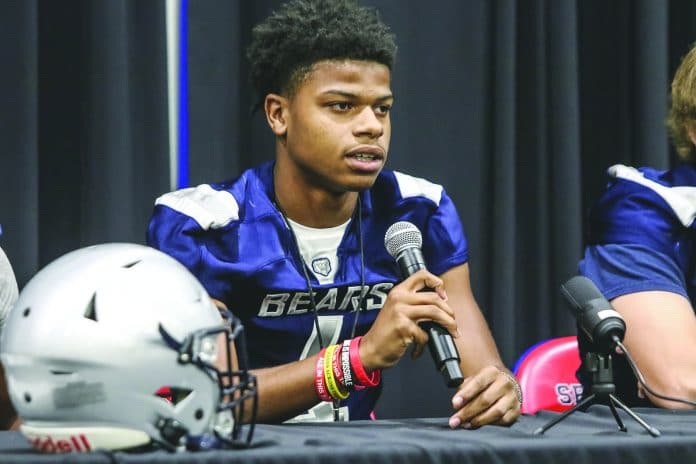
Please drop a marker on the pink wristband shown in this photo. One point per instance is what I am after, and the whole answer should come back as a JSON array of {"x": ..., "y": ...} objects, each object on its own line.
[{"x": 361, "y": 376}]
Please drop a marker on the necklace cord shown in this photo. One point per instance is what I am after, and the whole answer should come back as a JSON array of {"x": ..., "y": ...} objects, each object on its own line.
[
  {"x": 362, "y": 270},
  {"x": 308, "y": 281}
]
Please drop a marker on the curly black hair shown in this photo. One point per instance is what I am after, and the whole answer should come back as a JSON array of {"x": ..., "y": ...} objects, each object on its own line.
[{"x": 286, "y": 45}]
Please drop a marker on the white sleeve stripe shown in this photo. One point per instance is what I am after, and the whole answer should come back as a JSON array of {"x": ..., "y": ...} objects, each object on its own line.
[
  {"x": 210, "y": 208},
  {"x": 681, "y": 199},
  {"x": 410, "y": 186}
]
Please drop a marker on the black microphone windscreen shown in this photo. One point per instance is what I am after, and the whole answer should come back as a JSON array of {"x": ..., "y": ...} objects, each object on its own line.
[
  {"x": 579, "y": 290},
  {"x": 594, "y": 314}
]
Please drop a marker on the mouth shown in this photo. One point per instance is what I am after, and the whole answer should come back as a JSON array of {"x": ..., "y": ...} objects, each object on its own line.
[
  {"x": 360, "y": 156},
  {"x": 366, "y": 159}
]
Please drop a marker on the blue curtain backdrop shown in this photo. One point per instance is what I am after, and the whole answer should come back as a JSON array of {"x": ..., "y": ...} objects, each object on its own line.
[{"x": 516, "y": 106}]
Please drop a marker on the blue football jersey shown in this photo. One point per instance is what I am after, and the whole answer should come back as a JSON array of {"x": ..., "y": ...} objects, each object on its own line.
[
  {"x": 641, "y": 238},
  {"x": 234, "y": 239},
  {"x": 642, "y": 231}
]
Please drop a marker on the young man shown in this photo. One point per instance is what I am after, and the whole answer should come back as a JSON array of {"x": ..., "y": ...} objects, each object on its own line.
[
  {"x": 641, "y": 255},
  {"x": 297, "y": 244}
]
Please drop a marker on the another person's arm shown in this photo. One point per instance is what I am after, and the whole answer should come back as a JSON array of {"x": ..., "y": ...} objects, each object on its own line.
[
  {"x": 640, "y": 259},
  {"x": 661, "y": 337}
]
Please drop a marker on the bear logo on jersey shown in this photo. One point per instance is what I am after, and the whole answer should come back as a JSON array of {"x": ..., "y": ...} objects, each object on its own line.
[{"x": 321, "y": 266}]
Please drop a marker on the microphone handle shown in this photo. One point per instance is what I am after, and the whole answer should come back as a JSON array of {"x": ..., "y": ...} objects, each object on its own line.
[
  {"x": 444, "y": 353},
  {"x": 410, "y": 261}
]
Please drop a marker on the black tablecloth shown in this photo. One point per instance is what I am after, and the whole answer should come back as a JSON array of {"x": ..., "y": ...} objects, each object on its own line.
[{"x": 584, "y": 437}]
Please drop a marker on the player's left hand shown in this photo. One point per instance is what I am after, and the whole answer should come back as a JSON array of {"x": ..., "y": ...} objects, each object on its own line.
[{"x": 491, "y": 396}]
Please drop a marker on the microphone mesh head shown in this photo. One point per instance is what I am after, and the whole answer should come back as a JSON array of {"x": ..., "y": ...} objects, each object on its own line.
[{"x": 401, "y": 236}]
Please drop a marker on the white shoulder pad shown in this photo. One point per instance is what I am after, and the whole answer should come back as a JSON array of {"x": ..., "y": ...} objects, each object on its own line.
[
  {"x": 210, "y": 208},
  {"x": 417, "y": 187},
  {"x": 681, "y": 199}
]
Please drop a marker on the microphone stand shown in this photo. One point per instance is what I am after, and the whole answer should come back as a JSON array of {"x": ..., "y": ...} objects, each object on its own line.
[{"x": 603, "y": 389}]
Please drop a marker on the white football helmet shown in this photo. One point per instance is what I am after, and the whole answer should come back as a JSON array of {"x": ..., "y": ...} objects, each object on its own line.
[{"x": 114, "y": 347}]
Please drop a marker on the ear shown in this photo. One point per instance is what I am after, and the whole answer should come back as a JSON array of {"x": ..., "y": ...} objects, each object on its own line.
[
  {"x": 692, "y": 134},
  {"x": 276, "y": 108}
]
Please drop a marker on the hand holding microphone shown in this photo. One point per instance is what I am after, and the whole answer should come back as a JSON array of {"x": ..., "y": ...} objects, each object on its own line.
[
  {"x": 403, "y": 241},
  {"x": 490, "y": 395},
  {"x": 397, "y": 324}
]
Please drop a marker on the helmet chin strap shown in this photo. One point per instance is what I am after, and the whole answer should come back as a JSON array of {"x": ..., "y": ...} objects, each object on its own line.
[
  {"x": 176, "y": 435},
  {"x": 172, "y": 432}
]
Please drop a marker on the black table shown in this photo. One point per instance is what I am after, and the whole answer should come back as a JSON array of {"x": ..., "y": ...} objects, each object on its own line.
[{"x": 584, "y": 437}]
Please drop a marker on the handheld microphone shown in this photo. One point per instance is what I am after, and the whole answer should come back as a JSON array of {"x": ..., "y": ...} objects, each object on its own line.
[
  {"x": 403, "y": 241},
  {"x": 595, "y": 315}
]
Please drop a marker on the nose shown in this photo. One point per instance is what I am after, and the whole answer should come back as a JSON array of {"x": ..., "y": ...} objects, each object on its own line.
[{"x": 367, "y": 123}]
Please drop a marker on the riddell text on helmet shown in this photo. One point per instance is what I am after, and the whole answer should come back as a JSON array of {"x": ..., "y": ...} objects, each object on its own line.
[{"x": 71, "y": 444}]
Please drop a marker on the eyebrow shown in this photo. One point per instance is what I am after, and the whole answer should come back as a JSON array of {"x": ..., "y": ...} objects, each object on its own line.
[{"x": 354, "y": 96}]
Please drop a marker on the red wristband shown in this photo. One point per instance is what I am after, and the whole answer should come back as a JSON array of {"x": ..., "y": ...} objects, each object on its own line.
[
  {"x": 361, "y": 376},
  {"x": 319, "y": 382}
]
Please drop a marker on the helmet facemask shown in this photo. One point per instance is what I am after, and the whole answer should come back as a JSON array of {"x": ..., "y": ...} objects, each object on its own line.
[{"x": 238, "y": 391}]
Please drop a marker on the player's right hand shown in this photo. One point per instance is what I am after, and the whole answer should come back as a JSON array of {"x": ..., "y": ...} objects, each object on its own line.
[{"x": 396, "y": 326}]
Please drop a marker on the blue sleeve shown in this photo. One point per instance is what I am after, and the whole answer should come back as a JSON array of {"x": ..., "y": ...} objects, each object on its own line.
[
  {"x": 620, "y": 269},
  {"x": 175, "y": 234},
  {"x": 636, "y": 243},
  {"x": 181, "y": 237},
  {"x": 444, "y": 244},
  {"x": 629, "y": 213}
]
